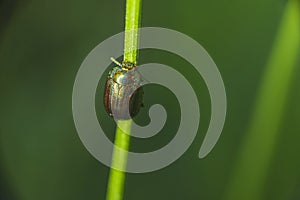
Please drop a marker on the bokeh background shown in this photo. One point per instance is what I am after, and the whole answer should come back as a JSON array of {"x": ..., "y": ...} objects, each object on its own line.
[{"x": 256, "y": 47}]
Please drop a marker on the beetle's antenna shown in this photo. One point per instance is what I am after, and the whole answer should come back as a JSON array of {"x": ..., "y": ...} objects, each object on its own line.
[{"x": 115, "y": 61}]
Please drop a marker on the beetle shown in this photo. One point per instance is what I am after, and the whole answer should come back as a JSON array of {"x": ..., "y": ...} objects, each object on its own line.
[{"x": 123, "y": 93}]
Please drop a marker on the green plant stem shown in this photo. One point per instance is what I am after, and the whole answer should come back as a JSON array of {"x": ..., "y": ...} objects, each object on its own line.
[
  {"x": 119, "y": 160},
  {"x": 251, "y": 171},
  {"x": 117, "y": 174},
  {"x": 132, "y": 21}
]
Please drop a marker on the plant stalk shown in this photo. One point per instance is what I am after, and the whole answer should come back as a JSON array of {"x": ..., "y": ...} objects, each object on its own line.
[
  {"x": 257, "y": 150},
  {"x": 117, "y": 174}
]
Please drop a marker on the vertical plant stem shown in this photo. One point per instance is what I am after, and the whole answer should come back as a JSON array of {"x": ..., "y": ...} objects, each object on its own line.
[
  {"x": 119, "y": 160},
  {"x": 132, "y": 21},
  {"x": 251, "y": 171},
  {"x": 116, "y": 181}
]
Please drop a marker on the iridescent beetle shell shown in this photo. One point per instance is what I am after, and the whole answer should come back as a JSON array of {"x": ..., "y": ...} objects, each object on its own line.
[{"x": 123, "y": 94}]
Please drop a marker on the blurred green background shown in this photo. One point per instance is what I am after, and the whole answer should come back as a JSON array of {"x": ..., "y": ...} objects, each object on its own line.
[{"x": 256, "y": 47}]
